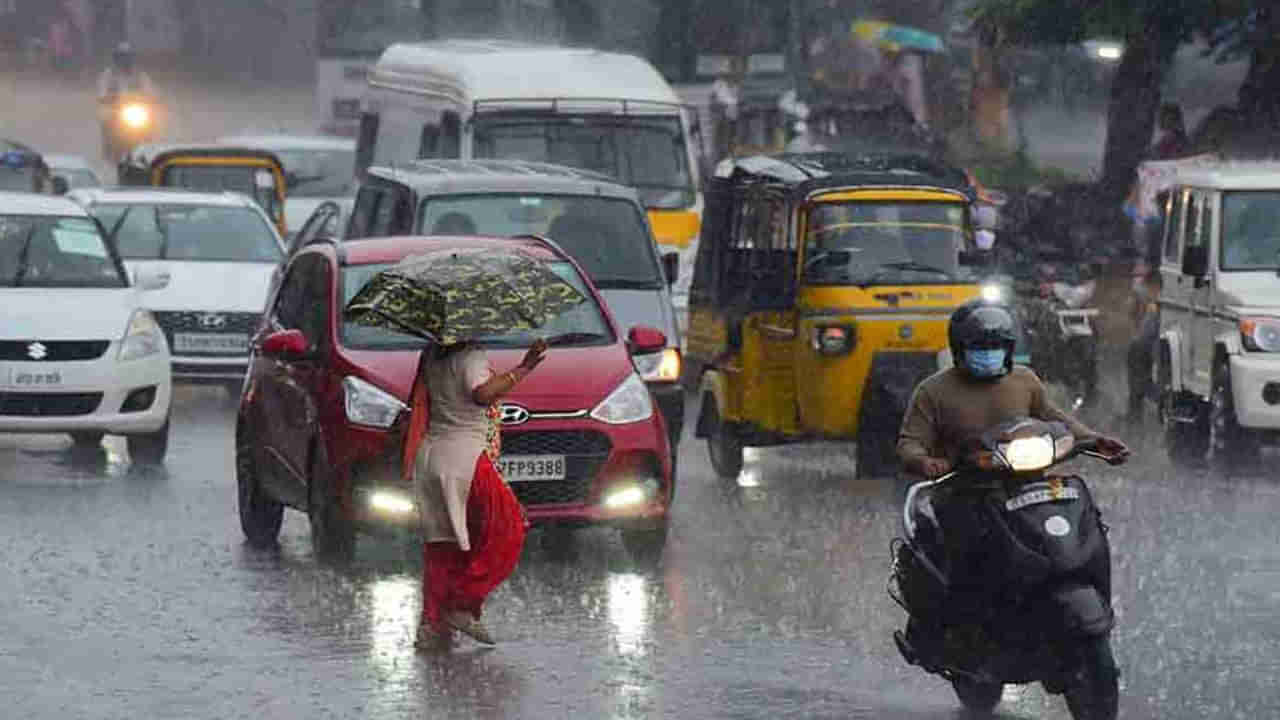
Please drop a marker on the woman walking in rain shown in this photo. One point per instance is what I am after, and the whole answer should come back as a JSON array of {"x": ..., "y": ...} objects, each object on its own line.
[{"x": 473, "y": 526}]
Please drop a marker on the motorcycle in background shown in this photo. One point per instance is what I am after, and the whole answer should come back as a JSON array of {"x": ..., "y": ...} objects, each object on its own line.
[
  {"x": 1055, "y": 305},
  {"x": 128, "y": 120},
  {"x": 1043, "y": 611}
]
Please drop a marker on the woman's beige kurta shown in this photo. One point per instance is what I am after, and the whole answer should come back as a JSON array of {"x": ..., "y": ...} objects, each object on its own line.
[{"x": 458, "y": 434}]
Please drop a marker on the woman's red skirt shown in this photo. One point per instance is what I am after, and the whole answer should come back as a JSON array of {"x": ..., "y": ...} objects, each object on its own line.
[{"x": 457, "y": 580}]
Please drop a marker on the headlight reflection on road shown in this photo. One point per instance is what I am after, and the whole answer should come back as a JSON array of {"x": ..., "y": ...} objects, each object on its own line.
[
  {"x": 393, "y": 617},
  {"x": 628, "y": 599}
]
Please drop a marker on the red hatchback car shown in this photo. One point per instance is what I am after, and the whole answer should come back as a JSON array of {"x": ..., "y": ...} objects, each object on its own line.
[{"x": 323, "y": 412}]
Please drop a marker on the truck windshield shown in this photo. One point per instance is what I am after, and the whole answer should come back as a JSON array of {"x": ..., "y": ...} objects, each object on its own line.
[
  {"x": 1251, "y": 230},
  {"x": 865, "y": 243},
  {"x": 648, "y": 153},
  {"x": 606, "y": 236}
]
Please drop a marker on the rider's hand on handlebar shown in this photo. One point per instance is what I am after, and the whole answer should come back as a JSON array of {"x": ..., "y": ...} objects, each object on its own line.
[
  {"x": 932, "y": 467},
  {"x": 1117, "y": 452}
]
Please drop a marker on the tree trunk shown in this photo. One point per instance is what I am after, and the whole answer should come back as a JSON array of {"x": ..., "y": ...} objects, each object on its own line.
[{"x": 1131, "y": 114}]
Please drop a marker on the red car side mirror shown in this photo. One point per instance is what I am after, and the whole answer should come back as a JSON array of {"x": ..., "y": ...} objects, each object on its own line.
[
  {"x": 285, "y": 343},
  {"x": 643, "y": 340}
]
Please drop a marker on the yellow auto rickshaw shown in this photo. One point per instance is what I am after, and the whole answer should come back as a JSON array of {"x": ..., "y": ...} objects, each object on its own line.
[
  {"x": 821, "y": 295},
  {"x": 211, "y": 168}
]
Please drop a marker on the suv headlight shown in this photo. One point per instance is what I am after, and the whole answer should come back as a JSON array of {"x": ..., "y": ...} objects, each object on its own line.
[
  {"x": 660, "y": 366},
  {"x": 370, "y": 405},
  {"x": 628, "y": 403},
  {"x": 1260, "y": 334},
  {"x": 142, "y": 337}
]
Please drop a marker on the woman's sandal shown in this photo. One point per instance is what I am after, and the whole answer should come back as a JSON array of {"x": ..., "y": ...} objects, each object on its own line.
[
  {"x": 432, "y": 640},
  {"x": 469, "y": 625}
]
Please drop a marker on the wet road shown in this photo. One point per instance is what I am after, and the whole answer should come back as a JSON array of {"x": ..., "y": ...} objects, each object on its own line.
[{"x": 130, "y": 594}]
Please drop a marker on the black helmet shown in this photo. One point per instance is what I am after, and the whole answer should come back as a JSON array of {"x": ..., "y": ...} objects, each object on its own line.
[
  {"x": 982, "y": 325},
  {"x": 123, "y": 56}
]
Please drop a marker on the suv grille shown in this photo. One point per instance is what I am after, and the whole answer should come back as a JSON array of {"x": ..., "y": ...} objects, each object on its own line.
[
  {"x": 52, "y": 350},
  {"x": 211, "y": 322},
  {"x": 585, "y": 453},
  {"x": 49, "y": 404}
]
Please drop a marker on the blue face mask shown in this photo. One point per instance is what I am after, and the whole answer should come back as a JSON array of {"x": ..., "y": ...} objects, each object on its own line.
[{"x": 985, "y": 363}]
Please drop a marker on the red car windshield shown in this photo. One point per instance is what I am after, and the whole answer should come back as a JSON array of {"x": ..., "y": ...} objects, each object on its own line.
[{"x": 582, "y": 325}]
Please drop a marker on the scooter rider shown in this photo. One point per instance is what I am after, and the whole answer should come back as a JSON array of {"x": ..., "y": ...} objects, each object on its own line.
[
  {"x": 983, "y": 389},
  {"x": 123, "y": 76}
]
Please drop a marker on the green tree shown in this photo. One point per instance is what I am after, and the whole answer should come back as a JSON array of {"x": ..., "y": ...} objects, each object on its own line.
[{"x": 1152, "y": 31}]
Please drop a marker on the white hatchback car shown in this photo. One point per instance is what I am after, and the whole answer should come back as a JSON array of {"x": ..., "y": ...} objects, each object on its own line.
[
  {"x": 221, "y": 250},
  {"x": 78, "y": 353}
]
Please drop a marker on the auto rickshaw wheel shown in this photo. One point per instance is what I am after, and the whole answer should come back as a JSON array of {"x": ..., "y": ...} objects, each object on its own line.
[{"x": 723, "y": 443}]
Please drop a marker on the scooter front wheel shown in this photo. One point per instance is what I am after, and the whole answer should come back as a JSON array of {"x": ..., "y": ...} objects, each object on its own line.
[
  {"x": 1095, "y": 694},
  {"x": 976, "y": 696}
]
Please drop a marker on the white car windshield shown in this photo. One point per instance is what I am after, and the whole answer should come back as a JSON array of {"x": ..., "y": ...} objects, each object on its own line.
[
  {"x": 189, "y": 232},
  {"x": 49, "y": 251},
  {"x": 318, "y": 173}
]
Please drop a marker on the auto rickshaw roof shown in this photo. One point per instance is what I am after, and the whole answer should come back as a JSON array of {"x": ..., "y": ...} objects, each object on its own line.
[
  {"x": 807, "y": 172},
  {"x": 151, "y": 155}
]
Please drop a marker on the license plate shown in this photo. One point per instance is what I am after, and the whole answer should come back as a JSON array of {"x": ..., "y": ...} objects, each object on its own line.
[
  {"x": 532, "y": 468},
  {"x": 1036, "y": 497},
  {"x": 28, "y": 379},
  {"x": 211, "y": 343}
]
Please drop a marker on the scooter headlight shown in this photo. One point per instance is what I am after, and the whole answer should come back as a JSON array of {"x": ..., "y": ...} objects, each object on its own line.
[
  {"x": 1028, "y": 454},
  {"x": 135, "y": 116}
]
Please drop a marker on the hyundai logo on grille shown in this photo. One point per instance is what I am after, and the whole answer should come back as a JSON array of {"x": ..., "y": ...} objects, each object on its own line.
[
  {"x": 212, "y": 321},
  {"x": 37, "y": 351},
  {"x": 513, "y": 415}
]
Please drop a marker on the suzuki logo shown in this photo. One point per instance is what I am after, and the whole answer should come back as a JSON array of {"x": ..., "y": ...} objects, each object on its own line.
[
  {"x": 513, "y": 415},
  {"x": 37, "y": 351},
  {"x": 212, "y": 321}
]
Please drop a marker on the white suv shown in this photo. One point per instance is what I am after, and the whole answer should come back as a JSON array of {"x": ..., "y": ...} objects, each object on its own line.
[
  {"x": 1218, "y": 363},
  {"x": 78, "y": 354}
]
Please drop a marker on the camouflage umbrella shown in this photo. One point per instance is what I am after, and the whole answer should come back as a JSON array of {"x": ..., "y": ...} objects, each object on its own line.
[{"x": 451, "y": 296}]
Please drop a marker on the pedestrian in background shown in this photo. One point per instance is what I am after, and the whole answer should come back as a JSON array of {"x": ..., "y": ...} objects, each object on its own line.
[{"x": 473, "y": 525}]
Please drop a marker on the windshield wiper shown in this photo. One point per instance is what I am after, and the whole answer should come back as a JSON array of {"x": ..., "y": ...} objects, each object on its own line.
[
  {"x": 575, "y": 338},
  {"x": 626, "y": 283},
  {"x": 910, "y": 266},
  {"x": 21, "y": 273}
]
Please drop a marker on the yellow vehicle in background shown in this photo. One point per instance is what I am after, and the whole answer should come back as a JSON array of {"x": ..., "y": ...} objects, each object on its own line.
[
  {"x": 211, "y": 168},
  {"x": 821, "y": 295}
]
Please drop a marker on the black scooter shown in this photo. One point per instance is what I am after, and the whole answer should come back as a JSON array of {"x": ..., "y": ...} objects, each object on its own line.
[{"x": 1042, "y": 612}]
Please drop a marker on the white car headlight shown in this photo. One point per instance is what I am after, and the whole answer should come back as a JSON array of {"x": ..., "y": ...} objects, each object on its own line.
[
  {"x": 370, "y": 405},
  {"x": 1074, "y": 296},
  {"x": 1260, "y": 334},
  {"x": 660, "y": 366},
  {"x": 142, "y": 337},
  {"x": 628, "y": 403}
]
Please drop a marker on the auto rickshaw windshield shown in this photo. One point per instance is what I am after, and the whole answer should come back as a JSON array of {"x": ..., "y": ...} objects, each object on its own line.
[{"x": 886, "y": 242}]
